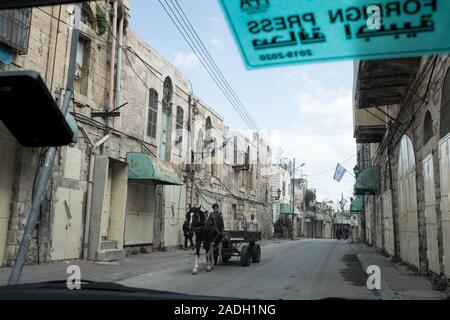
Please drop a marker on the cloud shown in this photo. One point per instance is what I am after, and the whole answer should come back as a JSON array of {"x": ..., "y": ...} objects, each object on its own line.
[
  {"x": 187, "y": 61},
  {"x": 214, "y": 19},
  {"x": 216, "y": 44},
  {"x": 323, "y": 132}
]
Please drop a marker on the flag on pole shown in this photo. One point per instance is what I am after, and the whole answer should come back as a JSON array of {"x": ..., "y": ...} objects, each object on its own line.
[{"x": 340, "y": 172}]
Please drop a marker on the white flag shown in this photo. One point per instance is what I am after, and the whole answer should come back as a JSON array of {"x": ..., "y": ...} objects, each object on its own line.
[{"x": 340, "y": 172}]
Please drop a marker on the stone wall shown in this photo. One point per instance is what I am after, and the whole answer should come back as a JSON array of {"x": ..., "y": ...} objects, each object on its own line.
[{"x": 423, "y": 95}]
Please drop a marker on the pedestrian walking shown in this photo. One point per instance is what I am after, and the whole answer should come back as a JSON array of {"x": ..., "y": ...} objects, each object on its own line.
[{"x": 188, "y": 232}]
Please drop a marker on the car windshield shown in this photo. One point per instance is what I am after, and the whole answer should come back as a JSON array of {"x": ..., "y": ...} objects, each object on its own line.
[{"x": 253, "y": 149}]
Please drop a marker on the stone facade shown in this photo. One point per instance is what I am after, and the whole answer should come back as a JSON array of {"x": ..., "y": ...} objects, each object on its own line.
[
  {"x": 413, "y": 157},
  {"x": 124, "y": 215}
]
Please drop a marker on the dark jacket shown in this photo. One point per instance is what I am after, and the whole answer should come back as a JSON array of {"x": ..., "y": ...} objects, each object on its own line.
[
  {"x": 187, "y": 229},
  {"x": 218, "y": 217}
]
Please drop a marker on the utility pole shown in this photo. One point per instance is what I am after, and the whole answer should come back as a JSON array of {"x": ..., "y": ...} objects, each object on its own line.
[{"x": 46, "y": 170}]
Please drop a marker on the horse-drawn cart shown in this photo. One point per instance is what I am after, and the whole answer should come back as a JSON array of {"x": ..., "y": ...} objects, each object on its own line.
[{"x": 241, "y": 244}]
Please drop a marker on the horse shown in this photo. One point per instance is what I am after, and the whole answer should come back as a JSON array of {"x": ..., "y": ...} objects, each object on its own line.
[{"x": 208, "y": 230}]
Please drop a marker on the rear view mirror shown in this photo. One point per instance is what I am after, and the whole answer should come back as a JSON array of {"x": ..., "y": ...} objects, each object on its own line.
[{"x": 29, "y": 111}]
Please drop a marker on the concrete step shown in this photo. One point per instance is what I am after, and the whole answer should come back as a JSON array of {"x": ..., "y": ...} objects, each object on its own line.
[
  {"x": 108, "y": 245},
  {"x": 110, "y": 255}
]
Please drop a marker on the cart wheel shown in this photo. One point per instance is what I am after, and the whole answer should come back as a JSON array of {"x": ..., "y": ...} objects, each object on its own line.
[
  {"x": 256, "y": 253},
  {"x": 245, "y": 256},
  {"x": 226, "y": 258}
]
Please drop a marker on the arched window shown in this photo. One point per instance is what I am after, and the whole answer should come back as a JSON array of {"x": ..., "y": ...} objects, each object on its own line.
[
  {"x": 152, "y": 113},
  {"x": 166, "y": 118},
  {"x": 445, "y": 106},
  {"x": 208, "y": 123},
  {"x": 179, "y": 125},
  {"x": 167, "y": 92},
  {"x": 427, "y": 128}
]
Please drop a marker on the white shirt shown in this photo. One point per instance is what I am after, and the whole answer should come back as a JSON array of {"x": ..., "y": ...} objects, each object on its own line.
[{"x": 252, "y": 225}]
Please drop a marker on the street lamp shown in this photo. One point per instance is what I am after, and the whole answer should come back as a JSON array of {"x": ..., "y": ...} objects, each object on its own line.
[{"x": 356, "y": 170}]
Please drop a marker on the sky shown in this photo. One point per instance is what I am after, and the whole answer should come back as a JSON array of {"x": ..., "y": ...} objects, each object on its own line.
[{"x": 305, "y": 111}]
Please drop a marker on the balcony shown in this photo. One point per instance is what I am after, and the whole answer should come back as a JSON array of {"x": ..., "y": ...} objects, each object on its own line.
[{"x": 383, "y": 82}]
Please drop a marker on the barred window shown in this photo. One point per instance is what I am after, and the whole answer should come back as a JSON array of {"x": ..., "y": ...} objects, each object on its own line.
[
  {"x": 152, "y": 113},
  {"x": 179, "y": 125},
  {"x": 15, "y": 28}
]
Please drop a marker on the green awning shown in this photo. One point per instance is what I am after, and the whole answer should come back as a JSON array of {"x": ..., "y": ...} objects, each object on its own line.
[
  {"x": 368, "y": 181},
  {"x": 142, "y": 167},
  {"x": 357, "y": 205},
  {"x": 285, "y": 209}
]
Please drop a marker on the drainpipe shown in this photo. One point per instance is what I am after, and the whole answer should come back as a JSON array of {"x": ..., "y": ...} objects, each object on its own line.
[
  {"x": 113, "y": 61},
  {"x": 119, "y": 64},
  {"x": 391, "y": 181},
  {"x": 46, "y": 171},
  {"x": 88, "y": 205},
  {"x": 191, "y": 145}
]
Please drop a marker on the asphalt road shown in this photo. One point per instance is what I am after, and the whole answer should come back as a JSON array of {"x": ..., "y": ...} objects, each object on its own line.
[{"x": 304, "y": 269}]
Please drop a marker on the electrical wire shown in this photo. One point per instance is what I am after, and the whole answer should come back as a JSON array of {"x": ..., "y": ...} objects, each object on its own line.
[
  {"x": 205, "y": 62},
  {"x": 204, "y": 59},
  {"x": 332, "y": 169},
  {"x": 214, "y": 64}
]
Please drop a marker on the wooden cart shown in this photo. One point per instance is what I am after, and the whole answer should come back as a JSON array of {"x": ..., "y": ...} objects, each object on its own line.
[{"x": 242, "y": 244}]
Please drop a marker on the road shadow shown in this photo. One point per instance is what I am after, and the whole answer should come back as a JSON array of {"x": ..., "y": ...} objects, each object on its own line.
[{"x": 353, "y": 272}]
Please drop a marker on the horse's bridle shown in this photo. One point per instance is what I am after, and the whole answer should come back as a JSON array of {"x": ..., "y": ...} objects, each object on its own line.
[{"x": 205, "y": 224}]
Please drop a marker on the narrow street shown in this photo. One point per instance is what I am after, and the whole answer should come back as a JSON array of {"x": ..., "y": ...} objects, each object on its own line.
[{"x": 304, "y": 269}]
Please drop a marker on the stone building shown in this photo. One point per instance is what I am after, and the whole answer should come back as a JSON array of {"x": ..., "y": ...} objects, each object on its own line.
[
  {"x": 281, "y": 189},
  {"x": 402, "y": 127},
  {"x": 146, "y": 145}
]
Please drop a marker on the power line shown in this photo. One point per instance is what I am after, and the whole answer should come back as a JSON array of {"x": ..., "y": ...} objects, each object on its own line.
[
  {"x": 203, "y": 61},
  {"x": 214, "y": 64},
  {"x": 332, "y": 169},
  {"x": 206, "y": 63}
]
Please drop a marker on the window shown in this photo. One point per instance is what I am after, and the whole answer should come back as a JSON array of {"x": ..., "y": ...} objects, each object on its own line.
[
  {"x": 87, "y": 15},
  {"x": 152, "y": 113},
  {"x": 83, "y": 62},
  {"x": 179, "y": 125},
  {"x": 214, "y": 166},
  {"x": 164, "y": 134},
  {"x": 208, "y": 123},
  {"x": 15, "y": 28},
  {"x": 427, "y": 128}
]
